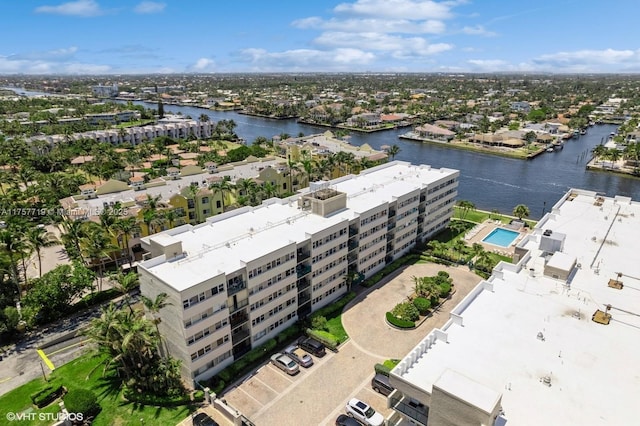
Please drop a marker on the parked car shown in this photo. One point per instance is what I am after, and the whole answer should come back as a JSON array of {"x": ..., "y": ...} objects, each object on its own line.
[
  {"x": 285, "y": 363},
  {"x": 364, "y": 413},
  {"x": 344, "y": 420},
  {"x": 202, "y": 419},
  {"x": 312, "y": 346},
  {"x": 380, "y": 383},
  {"x": 299, "y": 356}
]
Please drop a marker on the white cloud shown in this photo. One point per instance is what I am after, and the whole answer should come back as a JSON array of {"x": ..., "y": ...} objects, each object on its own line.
[
  {"x": 403, "y": 26},
  {"x": 341, "y": 59},
  {"x": 84, "y": 8},
  {"x": 489, "y": 65},
  {"x": 203, "y": 65},
  {"x": 148, "y": 7},
  {"x": 593, "y": 57},
  {"x": 478, "y": 30},
  {"x": 397, "y": 46},
  {"x": 78, "y": 68},
  {"x": 10, "y": 65},
  {"x": 399, "y": 9}
]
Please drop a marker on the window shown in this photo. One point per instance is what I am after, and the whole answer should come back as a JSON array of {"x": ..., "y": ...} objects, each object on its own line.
[
  {"x": 218, "y": 204},
  {"x": 205, "y": 200}
]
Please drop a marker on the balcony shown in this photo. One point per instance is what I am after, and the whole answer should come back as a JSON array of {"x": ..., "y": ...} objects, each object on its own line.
[
  {"x": 392, "y": 213},
  {"x": 390, "y": 226},
  {"x": 353, "y": 244},
  {"x": 238, "y": 306},
  {"x": 302, "y": 270},
  {"x": 423, "y": 198},
  {"x": 235, "y": 286},
  {"x": 303, "y": 298},
  {"x": 303, "y": 255},
  {"x": 352, "y": 257},
  {"x": 238, "y": 319},
  {"x": 421, "y": 209},
  {"x": 353, "y": 231},
  {"x": 303, "y": 284},
  {"x": 414, "y": 410}
]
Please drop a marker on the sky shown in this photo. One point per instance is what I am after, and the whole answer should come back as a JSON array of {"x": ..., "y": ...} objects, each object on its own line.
[{"x": 228, "y": 36}]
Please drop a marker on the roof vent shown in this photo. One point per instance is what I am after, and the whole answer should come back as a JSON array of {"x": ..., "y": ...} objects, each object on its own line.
[
  {"x": 546, "y": 380},
  {"x": 547, "y": 232},
  {"x": 541, "y": 336}
]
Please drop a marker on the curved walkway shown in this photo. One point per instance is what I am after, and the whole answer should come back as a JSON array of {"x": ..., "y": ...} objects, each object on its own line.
[{"x": 364, "y": 318}]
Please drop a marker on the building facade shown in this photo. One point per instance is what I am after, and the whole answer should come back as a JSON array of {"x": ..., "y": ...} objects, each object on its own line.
[{"x": 242, "y": 277}]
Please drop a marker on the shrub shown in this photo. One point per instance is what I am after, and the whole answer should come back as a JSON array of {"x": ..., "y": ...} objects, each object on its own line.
[
  {"x": 406, "y": 311},
  {"x": 82, "y": 401},
  {"x": 422, "y": 305},
  {"x": 198, "y": 396},
  {"x": 47, "y": 395},
  {"x": 391, "y": 363},
  {"x": 382, "y": 369},
  {"x": 326, "y": 338},
  {"x": 400, "y": 323},
  {"x": 319, "y": 323},
  {"x": 445, "y": 289},
  {"x": 290, "y": 333},
  {"x": 335, "y": 308}
]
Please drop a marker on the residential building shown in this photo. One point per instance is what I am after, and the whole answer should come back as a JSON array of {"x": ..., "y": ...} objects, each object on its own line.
[
  {"x": 548, "y": 340},
  {"x": 105, "y": 91},
  {"x": 243, "y": 276},
  {"x": 436, "y": 133}
]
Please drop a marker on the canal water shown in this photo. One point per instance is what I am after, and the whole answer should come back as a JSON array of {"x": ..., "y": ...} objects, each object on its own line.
[{"x": 489, "y": 181}]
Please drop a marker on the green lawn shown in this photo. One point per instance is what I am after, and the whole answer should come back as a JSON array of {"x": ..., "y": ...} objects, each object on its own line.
[
  {"x": 334, "y": 326},
  {"x": 115, "y": 409}
]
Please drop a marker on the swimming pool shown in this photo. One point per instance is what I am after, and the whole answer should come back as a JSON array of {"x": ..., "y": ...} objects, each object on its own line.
[{"x": 501, "y": 237}]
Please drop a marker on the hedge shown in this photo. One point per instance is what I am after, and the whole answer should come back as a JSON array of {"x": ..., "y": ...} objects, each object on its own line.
[
  {"x": 334, "y": 308},
  {"x": 46, "y": 395},
  {"x": 378, "y": 276},
  {"x": 96, "y": 298},
  {"x": 324, "y": 337},
  {"x": 445, "y": 289},
  {"x": 400, "y": 323},
  {"x": 156, "y": 400},
  {"x": 382, "y": 369},
  {"x": 82, "y": 401},
  {"x": 422, "y": 304}
]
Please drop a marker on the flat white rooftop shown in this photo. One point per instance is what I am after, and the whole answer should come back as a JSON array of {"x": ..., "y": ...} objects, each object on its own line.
[
  {"x": 225, "y": 242},
  {"x": 531, "y": 327}
]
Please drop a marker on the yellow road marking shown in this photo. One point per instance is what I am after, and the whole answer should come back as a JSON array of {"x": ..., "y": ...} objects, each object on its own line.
[
  {"x": 6, "y": 380},
  {"x": 45, "y": 359}
]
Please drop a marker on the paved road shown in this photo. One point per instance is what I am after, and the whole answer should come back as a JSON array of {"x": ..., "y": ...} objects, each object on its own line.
[
  {"x": 21, "y": 363},
  {"x": 318, "y": 395}
]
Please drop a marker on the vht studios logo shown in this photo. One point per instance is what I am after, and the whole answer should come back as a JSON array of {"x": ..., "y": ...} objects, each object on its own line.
[{"x": 50, "y": 417}]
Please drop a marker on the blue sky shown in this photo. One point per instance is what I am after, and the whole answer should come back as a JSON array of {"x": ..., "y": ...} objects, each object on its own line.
[{"x": 205, "y": 36}]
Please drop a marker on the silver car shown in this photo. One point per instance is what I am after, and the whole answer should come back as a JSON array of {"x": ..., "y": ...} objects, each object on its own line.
[
  {"x": 285, "y": 363},
  {"x": 299, "y": 356}
]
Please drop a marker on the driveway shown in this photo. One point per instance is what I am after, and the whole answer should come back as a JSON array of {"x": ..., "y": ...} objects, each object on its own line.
[
  {"x": 319, "y": 394},
  {"x": 379, "y": 339}
]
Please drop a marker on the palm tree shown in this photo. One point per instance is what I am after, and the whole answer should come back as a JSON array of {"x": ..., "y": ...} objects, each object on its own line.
[
  {"x": 307, "y": 166},
  {"x": 393, "y": 150},
  {"x": 124, "y": 228},
  {"x": 124, "y": 283},
  {"x": 459, "y": 246},
  {"x": 12, "y": 244},
  {"x": 36, "y": 239},
  {"x": 154, "y": 306},
  {"x": 269, "y": 190},
  {"x": 521, "y": 211},
  {"x": 204, "y": 118},
  {"x": 465, "y": 206},
  {"x": 96, "y": 246},
  {"x": 614, "y": 155},
  {"x": 223, "y": 187},
  {"x": 72, "y": 232}
]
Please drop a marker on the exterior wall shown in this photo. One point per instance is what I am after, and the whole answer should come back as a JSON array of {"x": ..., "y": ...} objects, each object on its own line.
[
  {"x": 328, "y": 262},
  {"x": 448, "y": 410}
]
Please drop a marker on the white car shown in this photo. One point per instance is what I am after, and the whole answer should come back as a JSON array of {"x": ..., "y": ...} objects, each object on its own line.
[
  {"x": 285, "y": 363},
  {"x": 364, "y": 413}
]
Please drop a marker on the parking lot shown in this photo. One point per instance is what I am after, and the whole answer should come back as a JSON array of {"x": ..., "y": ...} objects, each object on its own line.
[{"x": 318, "y": 395}]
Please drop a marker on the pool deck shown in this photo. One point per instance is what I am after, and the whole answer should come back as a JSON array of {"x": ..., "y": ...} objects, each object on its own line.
[{"x": 480, "y": 231}]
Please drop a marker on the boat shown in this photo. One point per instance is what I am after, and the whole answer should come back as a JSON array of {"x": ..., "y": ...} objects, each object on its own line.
[
  {"x": 576, "y": 133},
  {"x": 583, "y": 131},
  {"x": 549, "y": 149}
]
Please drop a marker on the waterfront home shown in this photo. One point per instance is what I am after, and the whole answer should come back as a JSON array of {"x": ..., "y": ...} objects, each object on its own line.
[
  {"x": 435, "y": 133},
  {"x": 496, "y": 139}
]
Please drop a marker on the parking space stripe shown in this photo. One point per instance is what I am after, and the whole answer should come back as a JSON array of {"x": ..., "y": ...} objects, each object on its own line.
[
  {"x": 280, "y": 371},
  {"x": 249, "y": 395},
  {"x": 330, "y": 419},
  {"x": 266, "y": 385}
]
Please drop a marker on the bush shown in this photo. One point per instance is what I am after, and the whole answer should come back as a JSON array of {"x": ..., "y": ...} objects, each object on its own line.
[
  {"x": 334, "y": 308},
  {"x": 47, "y": 395},
  {"x": 290, "y": 333},
  {"x": 319, "y": 323},
  {"x": 445, "y": 289},
  {"x": 326, "y": 338},
  {"x": 198, "y": 396},
  {"x": 400, "y": 323},
  {"x": 406, "y": 311},
  {"x": 82, "y": 401},
  {"x": 382, "y": 369},
  {"x": 422, "y": 305},
  {"x": 96, "y": 298}
]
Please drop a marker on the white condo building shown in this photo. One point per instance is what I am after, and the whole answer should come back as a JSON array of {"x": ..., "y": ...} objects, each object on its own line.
[
  {"x": 242, "y": 277},
  {"x": 550, "y": 340}
]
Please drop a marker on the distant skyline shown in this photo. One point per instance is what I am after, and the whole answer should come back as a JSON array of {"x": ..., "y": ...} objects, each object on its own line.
[{"x": 201, "y": 36}]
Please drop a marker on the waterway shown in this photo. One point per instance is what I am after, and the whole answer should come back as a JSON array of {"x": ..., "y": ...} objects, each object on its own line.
[{"x": 490, "y": 182}]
